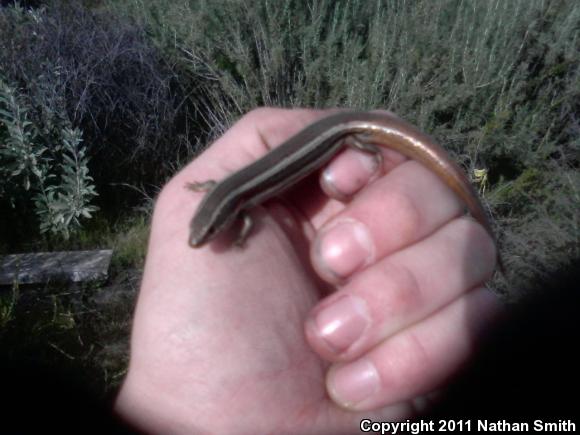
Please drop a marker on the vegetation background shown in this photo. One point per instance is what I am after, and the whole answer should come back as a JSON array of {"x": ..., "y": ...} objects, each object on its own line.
[{"x": 102, "y": 100}]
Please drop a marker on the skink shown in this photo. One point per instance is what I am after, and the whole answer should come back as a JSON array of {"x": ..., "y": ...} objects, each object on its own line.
[{"x": 309, "y": 150}]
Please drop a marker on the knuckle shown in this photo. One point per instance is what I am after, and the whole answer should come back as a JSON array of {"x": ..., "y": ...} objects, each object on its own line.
[
  {"x": 414, "y": 360},
  {"x": 392, "y": 292},
  {"x": 404, "y": 294},
  {"x": 258, "y": 113},
  {"x": 170, "y": 194},
  {"x": 165, "y": 195},
  {"x": 409, "y": 221}
]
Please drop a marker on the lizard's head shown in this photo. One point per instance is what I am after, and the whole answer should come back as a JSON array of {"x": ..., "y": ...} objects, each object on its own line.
[{"x": 209, "y": 223}]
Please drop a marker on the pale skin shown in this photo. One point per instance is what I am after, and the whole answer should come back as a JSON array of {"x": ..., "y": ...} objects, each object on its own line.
[{"x": 355, "y": 300}]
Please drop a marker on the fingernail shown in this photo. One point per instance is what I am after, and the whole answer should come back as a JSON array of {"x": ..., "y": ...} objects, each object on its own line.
[
  {"x": 342, "y": 323},
  {"x": 353, "y": 383},
  {"x": 343, "y": 249},
  {"x": 349, "y": 174}
]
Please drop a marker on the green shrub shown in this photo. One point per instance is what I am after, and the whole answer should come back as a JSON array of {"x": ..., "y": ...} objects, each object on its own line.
[
  {"x": 54, "y": 176},
  {"x": 61, "y": 206},
  {"x": 101, "y": 73}
]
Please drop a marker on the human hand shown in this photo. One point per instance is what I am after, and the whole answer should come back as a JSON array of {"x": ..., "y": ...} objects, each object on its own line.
[{"x": 332, "y": 312}]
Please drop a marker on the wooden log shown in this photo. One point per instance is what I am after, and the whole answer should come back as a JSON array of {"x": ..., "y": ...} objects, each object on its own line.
[{"x": 44, "y": 267}]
